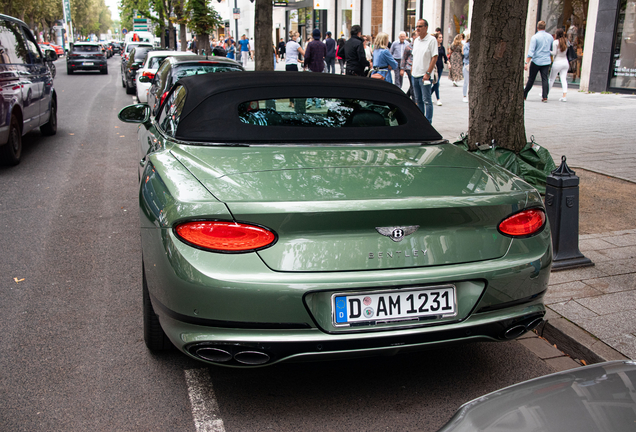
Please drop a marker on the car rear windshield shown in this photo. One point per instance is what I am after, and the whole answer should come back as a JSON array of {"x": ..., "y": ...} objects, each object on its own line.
[
  {"x": 320, "y": 112},
  {"x": 201, "y": 69},
  {"x": 87, "y": 48},
  {"x": 155, "y": 62},
  {"x": 140, "y": 53}
]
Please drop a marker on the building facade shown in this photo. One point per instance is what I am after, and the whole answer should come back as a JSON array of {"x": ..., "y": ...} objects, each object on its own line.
[{"x": 603, "y": 32}]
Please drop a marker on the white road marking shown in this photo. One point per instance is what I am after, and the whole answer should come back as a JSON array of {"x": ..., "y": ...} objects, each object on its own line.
[{"x": 205, "y": 410}]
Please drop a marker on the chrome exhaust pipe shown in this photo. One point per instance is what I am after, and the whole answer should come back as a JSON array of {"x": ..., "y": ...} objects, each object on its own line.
[
  {"x": 515, "y": 332},
  {"x": 214, "y": 354},
  {"x": 534, "y": 324},
  {"x": 252, "y": 358}
]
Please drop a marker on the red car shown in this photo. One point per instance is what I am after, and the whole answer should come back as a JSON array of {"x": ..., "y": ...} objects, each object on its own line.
[{"x": 58, "y": 49}]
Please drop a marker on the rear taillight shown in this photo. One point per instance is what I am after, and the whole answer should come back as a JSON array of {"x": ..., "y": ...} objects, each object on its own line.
[
  {"x": 150, "y": 75},
  {"x": 163, "y": 96},
  {"x": 523, "y": 224},
  {"x": 220, "y": 236}
]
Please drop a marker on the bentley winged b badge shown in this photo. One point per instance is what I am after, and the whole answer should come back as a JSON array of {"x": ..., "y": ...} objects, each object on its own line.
[{"x": 397, "y": 233}]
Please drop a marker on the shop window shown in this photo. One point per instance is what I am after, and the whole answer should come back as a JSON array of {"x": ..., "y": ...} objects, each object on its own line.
[
  {"x": 571, "y": 16},
  {"x": 409, "y": 17},
  {"x": 623, "y": 69}
]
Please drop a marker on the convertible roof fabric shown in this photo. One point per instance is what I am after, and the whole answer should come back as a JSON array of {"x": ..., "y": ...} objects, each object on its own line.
[{"x": 211, "y": 114}]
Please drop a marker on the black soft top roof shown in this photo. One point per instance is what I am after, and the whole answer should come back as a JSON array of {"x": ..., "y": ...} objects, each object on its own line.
[{"x": 211, "y": 114}]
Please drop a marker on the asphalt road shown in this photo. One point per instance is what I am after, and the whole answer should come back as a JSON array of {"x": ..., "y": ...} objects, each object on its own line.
[{"x": 71, "y": 350}]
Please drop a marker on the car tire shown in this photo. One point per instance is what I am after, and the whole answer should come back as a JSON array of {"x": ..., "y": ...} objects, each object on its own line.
[
  {"x": 50, "y": 128},
  {"x": 129, "y": 89},
  {"x": 154, "y": 336},
  {"x": 104, "y": 71},
  {"x": 69, "y": 71},
  {"x": 10, "y": 152}
]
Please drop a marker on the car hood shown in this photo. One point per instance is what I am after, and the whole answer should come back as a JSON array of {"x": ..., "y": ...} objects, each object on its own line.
[
  {"x": 593, "y": 398},
  {"x": 329, "y": 205}
]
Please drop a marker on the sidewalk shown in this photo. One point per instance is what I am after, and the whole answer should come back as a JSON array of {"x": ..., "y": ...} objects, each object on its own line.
[{"x": 591, "y": 311}]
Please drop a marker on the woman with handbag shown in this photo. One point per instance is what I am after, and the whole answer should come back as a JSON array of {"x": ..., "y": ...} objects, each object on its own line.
[
  {"x": 383, "y": 61},
  {"x": 441, "y": 61},
  {"x": 561, "y": 64}
]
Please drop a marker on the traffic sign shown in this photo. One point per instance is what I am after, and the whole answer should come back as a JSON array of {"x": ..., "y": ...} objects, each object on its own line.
[{"x": 124, "y": 31}]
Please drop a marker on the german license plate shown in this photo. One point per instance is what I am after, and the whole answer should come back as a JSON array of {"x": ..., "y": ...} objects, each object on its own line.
[
  {"x": 88, "y": 63},
  {"x": 394, "y": 305}
]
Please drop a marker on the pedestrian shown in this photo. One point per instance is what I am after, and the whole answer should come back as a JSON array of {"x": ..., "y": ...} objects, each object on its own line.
[
  {"x": 397, "y": 50},
  {"x": 244, "y": 43},
  {"x": 330, "y": 57},
  {"x": 368, "y": 52},
  {"x": 538, "y": 59},
  {"x": 355, "y": 57},
  {"x": 229, "y": 48},
  {"x": 315, "y": 53},
  {"x": 456, "y": 60},
  {"x": 194, "y": 45},
  {"x": 441, "y": 60},
  {"x": 292, "y": 49},
  {"x": 383, "y": 60},
  {"x": 281, "y": 49},
  {"x": 340, "y": 55},
  {"x": 424, "y": 60},
  {"x": 466, "y": 69},
  {"x": 561, "y": 64},
  {"x": 407, "y": 64}
]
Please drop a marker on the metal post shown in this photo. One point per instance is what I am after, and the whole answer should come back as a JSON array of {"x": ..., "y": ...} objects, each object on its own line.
[{"x": 562, "y": 207}]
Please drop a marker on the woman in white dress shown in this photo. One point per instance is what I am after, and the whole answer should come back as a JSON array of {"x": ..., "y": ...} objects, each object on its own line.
[{"x": 560, "y": 65}]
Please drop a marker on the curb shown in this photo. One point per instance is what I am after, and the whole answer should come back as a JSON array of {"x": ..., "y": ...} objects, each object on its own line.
[{"x": 574, "y": 341}]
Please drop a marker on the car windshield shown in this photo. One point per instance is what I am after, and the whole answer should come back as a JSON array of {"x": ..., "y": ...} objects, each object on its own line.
[
  {"x": 87, "y": 48},
  {"x": 201, "y": 69},
  {"x": 320, "y": 112}
]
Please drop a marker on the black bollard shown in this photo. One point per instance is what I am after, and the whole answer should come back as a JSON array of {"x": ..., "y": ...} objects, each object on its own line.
[{"x": 562, "y": 207}]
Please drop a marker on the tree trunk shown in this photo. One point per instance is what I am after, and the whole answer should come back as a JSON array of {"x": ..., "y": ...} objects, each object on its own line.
[
  {"x": 203, "y": 44},
  {"x": 497, "y": 46},
  {"x": 171, "y": 41},
  {"x": 182, "y": 37},
  {"x": 264, "y": 48}
]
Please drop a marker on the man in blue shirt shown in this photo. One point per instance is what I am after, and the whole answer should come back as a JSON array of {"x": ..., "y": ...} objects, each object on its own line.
[
  {"x": 244, "y": 43},
  {"x": 539, "y": 60}
]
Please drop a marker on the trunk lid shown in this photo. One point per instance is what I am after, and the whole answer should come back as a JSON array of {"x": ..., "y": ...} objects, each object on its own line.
[{"x": 348, "y": 208}]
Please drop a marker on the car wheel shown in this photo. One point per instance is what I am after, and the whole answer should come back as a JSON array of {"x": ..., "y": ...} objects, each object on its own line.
[
  {"x": 50, "y": 128},
  {"x": 10, "y": 152},
  {"x": 154, "y": 336},
  {"x": 129, "y": 89},
  {"x": 69, "y": 71},
  {"x": 104, "y": 71}
]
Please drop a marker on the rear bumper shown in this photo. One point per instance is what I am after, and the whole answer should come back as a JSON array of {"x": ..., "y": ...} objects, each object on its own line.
[
  {"x": 97, "y": 65},
  {"x": 256, "y": 347}
]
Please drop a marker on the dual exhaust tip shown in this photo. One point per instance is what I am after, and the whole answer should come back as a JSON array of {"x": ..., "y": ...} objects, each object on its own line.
[
  {"x": 243, "y": 355},
  {"x": 519, "y": 329}
]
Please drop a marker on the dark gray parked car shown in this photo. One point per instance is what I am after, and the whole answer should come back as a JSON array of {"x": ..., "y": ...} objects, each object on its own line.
[
  {"x": 86, "y": 56},
  {"x": 28, "y": 98}
]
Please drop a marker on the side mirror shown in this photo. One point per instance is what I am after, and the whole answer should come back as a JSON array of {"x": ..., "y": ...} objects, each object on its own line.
[
  {"x": 51, "y": 55},
  {"x": 139, "y": 113},
  {"x": 143, "y": 79}
]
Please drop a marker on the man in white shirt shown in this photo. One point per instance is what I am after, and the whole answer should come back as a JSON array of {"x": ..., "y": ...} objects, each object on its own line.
[{"x": 424, "y": 59}]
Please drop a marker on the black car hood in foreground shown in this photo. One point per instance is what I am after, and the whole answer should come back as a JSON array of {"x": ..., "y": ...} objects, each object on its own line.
[
  {"x": 600, "y": 397},
  {"x": 213, "y": 99}
]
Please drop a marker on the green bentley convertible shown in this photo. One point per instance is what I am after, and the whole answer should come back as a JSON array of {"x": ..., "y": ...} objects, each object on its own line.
[{"x": 313, "y": 216}]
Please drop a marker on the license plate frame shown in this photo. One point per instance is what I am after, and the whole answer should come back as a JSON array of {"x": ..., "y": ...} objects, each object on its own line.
[{"x": 426, "y": 304}]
